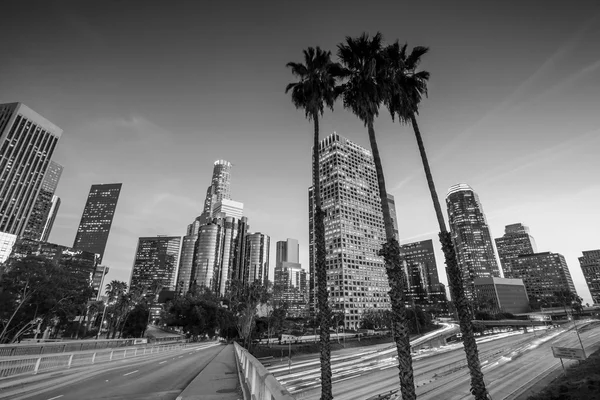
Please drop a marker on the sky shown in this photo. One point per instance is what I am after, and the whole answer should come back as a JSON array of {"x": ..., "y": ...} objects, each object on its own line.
[{"x": 150, "y": 95}]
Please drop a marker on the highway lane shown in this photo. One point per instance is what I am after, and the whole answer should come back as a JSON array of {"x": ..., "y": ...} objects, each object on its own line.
[
  {"x": 361, "y": 378},
  {"x": 161, "y": 377}
]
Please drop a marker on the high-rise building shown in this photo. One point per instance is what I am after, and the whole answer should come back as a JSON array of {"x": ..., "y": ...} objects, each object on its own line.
[
  {"x": 421, "y": 270},
  {"x": 40, "y": 214},
  {"x": 208, "y": 255},
  {"x": 218, "y": 190},
  {"x": 228, "y": 208},
  {"x": 289, "y": 280},
  {"x": 544, "y": 274},
  {"x": 471, "y": 236},
  {"x": 257, "y": 258},
  {"x": 354, "y": 231},
  {"x": 516, "y": 242},
  {"x": 186, "y": 264},
  {"x": 392, "y": 205},
  {"x": 27, "y": 143},
  {"x": 502, "y": 294},
  {"x": 98, "y": 280},
  {"x": 54, "y": 206},
  {"x": 155, "y": 264},
  {"x": 590, "y": 266},
  {"x": 97, "y": 218}
]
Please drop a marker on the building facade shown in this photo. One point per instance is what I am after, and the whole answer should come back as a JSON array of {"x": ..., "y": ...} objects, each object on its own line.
[
  {"x": 186, "y": 264},
  {"x": 289, "y": 281},
  {"x": 228, "y": 208},
  {"x": 257, "y": 258},
  {"x": 471, "y": 236},
  {"x": 27, "y": 143},
  {"x": 502, "y": 295},
  {"x": 54, "y": 206},
  {"x": 544, "y": 275},
  {"x": 590, "y": 266},
  {"x": 41, "y": 212},
  {"x": 516, "y": 242},
  {"x": 7, "y": 241},
  {"x": 155, "y": 265},
  {"x": 97, "y": 218},
  {"x": 421, "y": 270},
  {"x": 354, "y": 231}
]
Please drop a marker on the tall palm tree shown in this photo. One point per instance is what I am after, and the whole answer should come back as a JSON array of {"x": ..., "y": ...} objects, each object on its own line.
[
  {"x": 316, "y": 88},
  {"x": 405, "y": 88},
  {"x": 363, "y": 93},
  {"x": 114, "y": 289}
]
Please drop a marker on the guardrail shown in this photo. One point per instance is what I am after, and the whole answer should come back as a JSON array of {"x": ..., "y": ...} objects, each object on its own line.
[
  {"x": 261, "y": 384},
  {"x": 32, "y": 365}
]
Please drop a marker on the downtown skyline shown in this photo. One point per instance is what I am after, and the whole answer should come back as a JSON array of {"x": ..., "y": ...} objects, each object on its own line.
[{"x": 522, "y": 135}]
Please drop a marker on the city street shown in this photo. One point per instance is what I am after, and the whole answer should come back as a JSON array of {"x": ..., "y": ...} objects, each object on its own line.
[{"x": 161, "y": 377}]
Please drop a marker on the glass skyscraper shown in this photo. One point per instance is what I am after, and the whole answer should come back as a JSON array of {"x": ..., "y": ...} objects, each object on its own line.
[
  {"x": 219, "y": 189},
  {"x": 97, "y": 218},
  {"x": 27, "y": 143},
  {"x": 54, "y": 206},
  {"x": 257, "y": 258},
  {"x": 590, "y": 266},
  {"x": 42, "y": 208},
  {"x": 354, "y": 231},
  {"x": 471, "y": 236},
  {"x": 516, "y": 242},
  {"x": 156, "y": 262}
]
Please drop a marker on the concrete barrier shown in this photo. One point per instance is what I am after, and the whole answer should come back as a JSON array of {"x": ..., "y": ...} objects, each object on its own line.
[{"x": 259, "y": 382}]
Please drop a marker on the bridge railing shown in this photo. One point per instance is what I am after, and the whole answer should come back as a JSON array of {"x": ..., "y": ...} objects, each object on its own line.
[
  {"x": 19, "y": 365},
  {"x": 261, "y": 384}
]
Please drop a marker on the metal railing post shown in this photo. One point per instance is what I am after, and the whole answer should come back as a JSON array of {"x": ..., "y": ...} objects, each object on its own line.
[
  {"x": 37, "y": 365},
  {"x": 111, "y": 354},
  {"x": 70, "y": 361},
  {"x": 93, "y": 358},
  {"x": 125, "y": 354}
]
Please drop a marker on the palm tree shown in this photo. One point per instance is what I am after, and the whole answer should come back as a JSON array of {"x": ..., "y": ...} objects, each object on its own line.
[
  {"x": 363, "y": 93},
  {"x": 315, "y": 89},
  {"x": 114, "y": 289},
  {"x": 405, "y": 88}
]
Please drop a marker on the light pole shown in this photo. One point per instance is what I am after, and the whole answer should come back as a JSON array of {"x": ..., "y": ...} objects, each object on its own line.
[{"x": 101, "y": 321}]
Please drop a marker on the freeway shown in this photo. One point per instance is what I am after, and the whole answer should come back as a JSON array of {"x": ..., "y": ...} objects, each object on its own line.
[
  {"x": 162, "y": 377},
  {"x": 510, "y": 364}
]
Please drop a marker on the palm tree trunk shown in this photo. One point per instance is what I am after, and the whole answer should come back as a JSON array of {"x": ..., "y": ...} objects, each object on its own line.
[
  {"x": 455, "y": 280},
  {"x": 322, "y": 295},
  {"x": 397, "y": 281}
]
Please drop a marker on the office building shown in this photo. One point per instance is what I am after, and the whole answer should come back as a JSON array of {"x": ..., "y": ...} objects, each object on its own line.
[
  {"x": 225, "y": 269},
  {"x": 421, "y": 270},
  {"x": 218, "y": 190},
  {"x": 186, "y": 264},
  {"x": 208, "y": 255},
  {"x": 54, "y": 206},
  {"x": 27, "y": 143},
  {"x": 97, "y": 218},
  {"x": 354, "y": 231},
  {"x": 98, "y": 280},
  {"x": 471, "y": 236},
  {"x": 257, "y": 258},
  {"x": 392, "y": 205},
  {"x": 40, "y": 214},
  {"x": 228, "y": 208},
  {"x": 155, "y": 264},
  {"x": 516, "y": 242},
  {"x": 544, "y": 274},
  {"x": 7, "y": 241},
  {"x": 502, "y": 295},
  {"x": 289, "y": 281},
  {"x": 590, "y": 266}
]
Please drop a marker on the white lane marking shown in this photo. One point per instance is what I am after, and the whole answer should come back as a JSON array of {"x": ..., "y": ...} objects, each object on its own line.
[
  {"x": 132, "y": 372},
  {"x": 179, "y": 356},
  {"x": 189, "y": 353},
  {"x": 162, "y": 362},
  {"x": 52, "y": 398}
]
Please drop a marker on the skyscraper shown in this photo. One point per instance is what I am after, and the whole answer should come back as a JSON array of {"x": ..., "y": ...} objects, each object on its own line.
[
  {"x": 186, "y": 263},
  {"x": 354, "y": 230},
  {"x": 421, "y": 270},
  {"x": 155, "y": 264},
  {"x": 208, "y": 255},
  {"x": 218, "y": 190},
  {"x": 544, "y": 274},
  {"x": 289, "y": 278},
  {"x": 54, "y": 206},
  {"x": 516, "y": 242},
  {"x": 257, "y": 258},
  {"x": 228, "y": 208},
  {"x": 590, "y": 266},
  {"x": 471, "y": 236},
  {"x": 40, "y": 214},
  {"x": 97, "y": 218},
  {"x": 27, "y": 143}
]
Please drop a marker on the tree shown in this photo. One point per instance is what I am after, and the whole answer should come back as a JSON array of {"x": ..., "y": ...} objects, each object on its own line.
[
  {"x": 315, "y": 90},
  {"x": 363, "y": 93},
  {"x": 405, "y": 88}
]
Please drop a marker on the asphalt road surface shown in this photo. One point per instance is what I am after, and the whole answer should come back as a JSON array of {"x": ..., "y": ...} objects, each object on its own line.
[{"x": 160, "y": 377}]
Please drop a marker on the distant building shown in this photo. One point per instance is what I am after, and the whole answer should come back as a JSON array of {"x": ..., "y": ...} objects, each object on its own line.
[
  {"x": 516, "y": 242},
  {"x": 186, "y": 264},
  {"x": 41, "y": 213},
  {"x": 544, "y": 274},
  {"x": 219, "y": 189},
  {"x": 98, "y": 279},
  {"x": 354, "y": 231},
  {"x": 392, "y": 205},
  {"x": 97, "y": 218},
  {"x": 503, "y": 295},
  {"x": 590, "y": 266},
  {"x": 27, "y": 144},
  {"x": 228, "y": 208},
  {"x": 289, "y": 282},
  {"x": 421, "y": 271},
  {"x": 257, "y": 258},
  {"x": 471, "y": 236},
  {"x": 54, "y": 206},
  {"x": 155, "y": 264}
]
